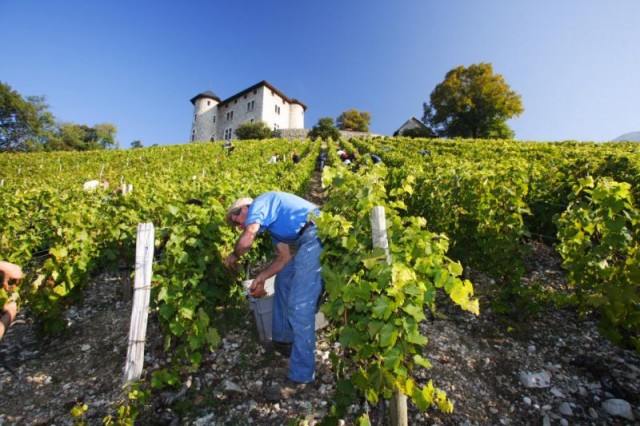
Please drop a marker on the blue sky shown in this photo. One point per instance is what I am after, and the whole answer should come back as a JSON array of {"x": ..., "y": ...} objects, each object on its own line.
[{"x": 136, "y": 63}]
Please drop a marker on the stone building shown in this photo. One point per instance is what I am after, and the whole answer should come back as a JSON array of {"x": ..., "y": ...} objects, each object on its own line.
[
  {"x": 216, "y": 119},
  {"x": 411, "y": 124}
]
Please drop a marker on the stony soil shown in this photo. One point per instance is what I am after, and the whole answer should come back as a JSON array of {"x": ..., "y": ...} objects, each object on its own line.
[{"x": 478, "y": 361}]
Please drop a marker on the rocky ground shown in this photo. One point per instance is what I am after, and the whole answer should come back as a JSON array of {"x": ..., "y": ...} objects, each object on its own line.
[
  {"x": 553, "y": 369},
  {"x": 488, "y": 370}
]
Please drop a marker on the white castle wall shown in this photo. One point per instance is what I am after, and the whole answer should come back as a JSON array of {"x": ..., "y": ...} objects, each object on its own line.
[
  {"x": 261, "y": 104},
  {"x": 296, "y": 117},
  {"x": 203, "y": 125}
]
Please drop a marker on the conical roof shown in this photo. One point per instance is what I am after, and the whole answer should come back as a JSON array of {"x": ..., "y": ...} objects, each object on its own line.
[{"x": 208, "y": 94}]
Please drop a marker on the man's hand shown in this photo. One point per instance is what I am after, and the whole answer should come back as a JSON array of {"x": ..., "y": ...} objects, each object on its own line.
[
  {"x": 231, "y": 263},
  {"x": 256, "y": 289},
  {"x": 10, "y": 272},
  {"x": 11, "y": 309}
]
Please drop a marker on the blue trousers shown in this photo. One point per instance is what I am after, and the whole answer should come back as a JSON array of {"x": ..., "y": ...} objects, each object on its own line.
[{"x": 297, "y": 291}]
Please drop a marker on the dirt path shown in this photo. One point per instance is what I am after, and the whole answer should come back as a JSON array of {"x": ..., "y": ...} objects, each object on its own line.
[{"x": 315, "y": 192}]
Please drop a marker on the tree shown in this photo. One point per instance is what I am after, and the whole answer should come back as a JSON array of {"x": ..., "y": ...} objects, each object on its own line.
[
  {"x": 472, "y": 103},
  {"x": 255, "y": 130},
  {"x": 104, "y": 134},
  {"x": 325, "y": 129},
  {"x": 27, "y": 125},
  {"x": 136, "y": 144},
  {"x": 24, "y": 123},
  {"x": 79, "y": 137},
  {"x": 354, "y": 120}
]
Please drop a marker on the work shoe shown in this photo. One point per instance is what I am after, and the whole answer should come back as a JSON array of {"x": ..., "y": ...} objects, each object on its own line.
[{"x": 286, "y": 390}]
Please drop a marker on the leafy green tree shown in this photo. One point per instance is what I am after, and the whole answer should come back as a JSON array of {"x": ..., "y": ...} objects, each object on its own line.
[
  {"x": 255, "y": 130},
  {"x": 354, "y": 120},
  {"x": 472, "y": 103},
  {"x": 105, "y": 134},
  {"x": 325, "y": 129},
  {"x": 24, "y": 123},
  {"x": 28, "y": 125},
  {"x": 79, "y": 137},
  {"x": 136, "y": 144}
]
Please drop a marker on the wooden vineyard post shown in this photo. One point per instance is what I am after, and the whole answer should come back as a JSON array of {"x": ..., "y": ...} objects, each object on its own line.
[
  {"x": 398, "y": 405},
  {"x": 140, "y": 308}
]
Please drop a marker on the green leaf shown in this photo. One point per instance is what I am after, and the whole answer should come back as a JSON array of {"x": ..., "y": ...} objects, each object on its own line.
[
  {"x": 58, "y": 252},
  {"x": 423, "y": 362},
  {"x": 350, "y": 337},
  {"x": 382, "y": 308},
  {"x": 415, "y": 311},
  {"x": 388, "y": 335},
  {"x": 213, "y": 338},
  {"x": 416, "y": 338},
  {"x": 392, "y": 359},
  {"x": 374, "y": 258}
]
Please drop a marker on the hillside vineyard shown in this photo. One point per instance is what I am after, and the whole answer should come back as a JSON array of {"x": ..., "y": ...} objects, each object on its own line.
[{"x": 450, "y": 205}]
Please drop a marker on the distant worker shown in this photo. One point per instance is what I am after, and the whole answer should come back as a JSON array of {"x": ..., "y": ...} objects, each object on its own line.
[
  {"x": 321, "y": 160},
  {"x": 228, "y": 146},
  {"x": 273, "y": 159},
  {"x": 91, "y": 185},
  {"x": 295, "y": 157},
  {"x": 376, "y": 159}
]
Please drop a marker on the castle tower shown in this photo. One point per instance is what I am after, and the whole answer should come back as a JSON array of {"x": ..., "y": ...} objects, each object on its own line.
[
  {"x": 205, "y": 111},
  {"x": 296, "y": 114}
]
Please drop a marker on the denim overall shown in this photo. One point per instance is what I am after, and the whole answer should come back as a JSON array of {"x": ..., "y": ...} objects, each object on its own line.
[{"x": 299, "y": 282}]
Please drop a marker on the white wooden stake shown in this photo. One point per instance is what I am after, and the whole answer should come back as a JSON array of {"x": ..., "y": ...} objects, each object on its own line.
[
  {"x": 379, "y": 230},
  {"x": 398, "y": 405},
  {"x": 140, "y": 308}
]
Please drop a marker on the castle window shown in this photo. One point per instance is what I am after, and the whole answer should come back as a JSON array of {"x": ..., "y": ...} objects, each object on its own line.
[
  {"x": 214, "y": 119},
  {"x": 250, "y": 105},
  {"x": 229, "y": 115},
  {"x": 255, "y": 91},
  {"x": 208, "y": 103},
  {"x": 278, "y": 109},
  {"x": 193, "y": 135}
]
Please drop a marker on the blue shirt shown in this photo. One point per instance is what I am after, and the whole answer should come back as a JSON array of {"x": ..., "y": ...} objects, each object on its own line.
[{"x": 282, "y": 214}]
